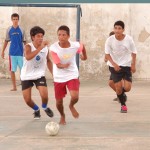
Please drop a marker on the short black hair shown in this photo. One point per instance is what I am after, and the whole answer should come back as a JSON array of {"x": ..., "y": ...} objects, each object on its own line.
[
  {"x": 65, "y": 28},
  {"x": 15, "y": 15},
  {"x": 111, "y": 33},
  {"x": 35, "y": 30},
  {"x": 119, "y": 23}
]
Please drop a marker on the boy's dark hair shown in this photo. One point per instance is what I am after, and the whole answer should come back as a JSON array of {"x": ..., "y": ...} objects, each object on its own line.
[
  {"x": 111, "y": 33},
  {"x": 35, "y": 30},
  {"x": 65, "y": 28},
  {"x": 119, "y": 23},
  {"x": 15, "y": 15}
]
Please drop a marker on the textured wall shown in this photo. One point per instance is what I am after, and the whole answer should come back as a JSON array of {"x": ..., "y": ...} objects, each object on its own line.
[{"x": 96, "y": 22}]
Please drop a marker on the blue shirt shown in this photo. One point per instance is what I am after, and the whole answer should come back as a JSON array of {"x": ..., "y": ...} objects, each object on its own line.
[{"x": 16, "y": 37}]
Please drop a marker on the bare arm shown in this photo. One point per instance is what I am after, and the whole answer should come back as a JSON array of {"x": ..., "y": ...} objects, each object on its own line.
[
  {"x": 56, "y": 61},
  {"x": 83, "y": 55},
  {"x": 49, "y": 64},
  {"x": 108, "y": 57},
  {"x": 133, "y": 63},
  {"x": 29, "y": 54},
  {"x": 62, "y": 66},
  {"x": 3, "y": 50}
]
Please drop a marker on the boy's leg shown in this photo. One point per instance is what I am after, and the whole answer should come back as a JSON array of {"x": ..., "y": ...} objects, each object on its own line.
[
  {"x": 20, "y": 62},
  {"x": 127, "y": 85},
  {"x": 27, "y": 97},
  {"x": 26, "y": 91},
  {"x": 13, "y": 79},
  {"x": 112, "y": 85},
  {"x": 60, "y": 92},
  {"x": 117, "y": 78},
  {"x": 13, "y": 69},
  {"x": 74, "y": 99},
  {"x": 44, "y": 96},
  {"x": 60, "y": 107},
  {"x": 73, "y": 86}
]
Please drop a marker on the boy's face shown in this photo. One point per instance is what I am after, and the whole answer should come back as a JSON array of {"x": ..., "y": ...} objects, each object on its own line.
[
  {"x": 38, "y": 38},
  {"x": 118, "y": 30},
  {"x": 63, "y": 37},
  {"x": 15, "y": 21}
]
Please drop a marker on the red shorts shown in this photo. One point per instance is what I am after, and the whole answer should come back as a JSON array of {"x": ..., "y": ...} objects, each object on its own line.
[{"x": 61, "y": 88}]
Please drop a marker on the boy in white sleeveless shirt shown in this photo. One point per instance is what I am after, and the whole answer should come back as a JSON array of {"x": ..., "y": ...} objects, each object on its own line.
[
  {"x": 65, "y": 71},
  {"x": 121, "y": 55},
  {"x": 33, "y": 71}
]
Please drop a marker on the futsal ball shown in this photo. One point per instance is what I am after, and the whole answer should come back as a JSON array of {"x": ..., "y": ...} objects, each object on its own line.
[{"x": 52, "y": 128}]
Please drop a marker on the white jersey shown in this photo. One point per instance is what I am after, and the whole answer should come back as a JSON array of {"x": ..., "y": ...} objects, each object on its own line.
[
  {"x": 120, "y": 51},
  {"x": 66, "y": 55},
  {"x": 35, "y": 68}
]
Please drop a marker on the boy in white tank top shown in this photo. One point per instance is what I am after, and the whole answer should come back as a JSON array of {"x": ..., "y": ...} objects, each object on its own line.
[
  {"x": 33, "y": 71},
  {"x": 65, "y": 71}
]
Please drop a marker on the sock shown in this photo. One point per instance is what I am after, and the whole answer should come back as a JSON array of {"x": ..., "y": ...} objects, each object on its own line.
[
  {"x": 44, "y": 106},
  {"x": 35, "y": 107},
  {"x": 122, "y": 98}
]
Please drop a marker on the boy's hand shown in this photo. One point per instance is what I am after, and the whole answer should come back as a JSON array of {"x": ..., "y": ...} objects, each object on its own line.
[{"x": 46, "y": 42}]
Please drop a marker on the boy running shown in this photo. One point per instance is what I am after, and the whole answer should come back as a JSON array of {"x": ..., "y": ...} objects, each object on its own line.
[
  {"x": 33, "y": 71},
  {"x": 65, "y": 71},
  {"x": 121, "y": 55}
]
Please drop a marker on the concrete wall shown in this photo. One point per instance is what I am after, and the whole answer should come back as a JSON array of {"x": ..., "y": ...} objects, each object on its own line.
[{"x": 96, "y": 23}]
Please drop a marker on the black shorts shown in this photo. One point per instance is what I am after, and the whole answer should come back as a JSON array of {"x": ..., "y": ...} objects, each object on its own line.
[
  {"x": 124, "y": 73},
  {"x": 30, "y": 83}
]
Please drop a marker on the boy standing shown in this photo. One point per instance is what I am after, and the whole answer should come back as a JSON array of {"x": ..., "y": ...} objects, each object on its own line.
[
  {"x": 121, "y": 55},
  {"x": 33, "y": 71},
  {"x": 16, "y": 36},
  {"x": 65, "y": 71}
]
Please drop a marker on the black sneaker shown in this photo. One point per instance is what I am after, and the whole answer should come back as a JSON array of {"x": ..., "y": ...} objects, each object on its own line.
[
  {"x": 37, "y": 114},
  {"x": 49, "y": 112}
]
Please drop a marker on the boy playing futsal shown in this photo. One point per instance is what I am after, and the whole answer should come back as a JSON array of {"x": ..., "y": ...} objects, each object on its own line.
[
  {"x": 33, "y": 71},
  {"x": 65, "y": 71},
  {"x": 121, "y": 55}
]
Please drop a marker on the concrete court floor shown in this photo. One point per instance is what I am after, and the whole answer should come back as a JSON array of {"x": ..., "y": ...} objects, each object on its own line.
[{"x": 100, "y": 126}]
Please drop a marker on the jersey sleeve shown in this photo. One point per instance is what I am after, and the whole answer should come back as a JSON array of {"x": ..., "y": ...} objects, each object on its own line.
[
  {"x": 107, "y": 47},
  {"x": 23, "y": 35},
  {"x": 55, "y": 57},
  {"x": 7, "y": 35},
  {"x": 132, "y": 46},
  {"x": 80, "y": 48}
]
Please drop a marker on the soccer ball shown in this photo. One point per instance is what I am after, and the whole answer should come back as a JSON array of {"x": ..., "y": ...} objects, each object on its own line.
[{"x": 52, "y": 128}]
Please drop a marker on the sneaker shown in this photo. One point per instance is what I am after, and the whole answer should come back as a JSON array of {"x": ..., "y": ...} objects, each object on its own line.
[
  {"x": 49, "y": 112},
  {"x": 123, "y": 109},
  {"x": 37, "y": 114}
]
